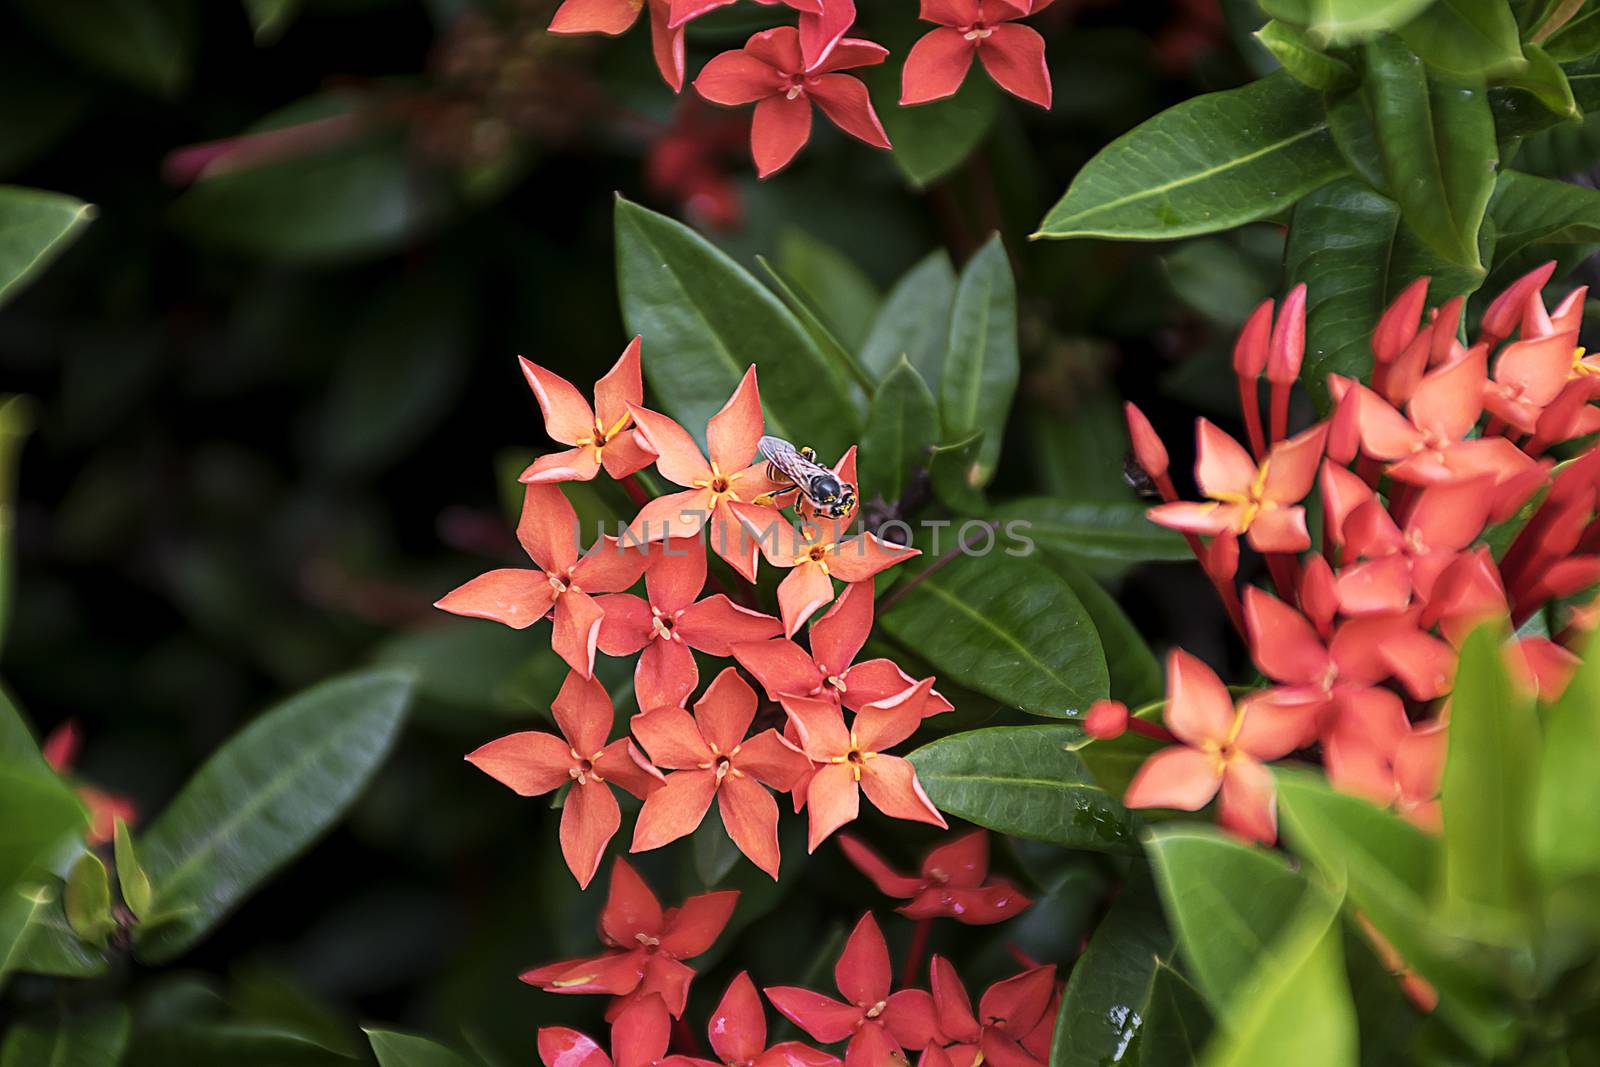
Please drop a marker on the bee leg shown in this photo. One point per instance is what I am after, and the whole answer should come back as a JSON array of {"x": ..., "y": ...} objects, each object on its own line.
[
  {"x": 767, "y": 499},
  {"x": 809, "y": 453}
]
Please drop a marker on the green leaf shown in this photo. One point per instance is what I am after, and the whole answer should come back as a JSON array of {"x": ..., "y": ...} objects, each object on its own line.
[
  {"x": 953, "y": 470},
  {"x": 262, "y": 799},
  {"x": 845, "y": 298},
  {"x": 1228, "y": 902},
  {"x": 16, "y": 419},
  {"x": 1020, "y": 780},
  {"x": 705, "y": 320},
  {"x": 1560, "y": 150},
  {"x": 1295, "y": 1007},
  {"x": 1109, "y": 992},
  {"x": 1135, "y": 674},
  {"x": 1309, "y": 65},
  {"x": 92, "y": 1040},
  {"x": 1465, "y": 36},
  {"x": 1530, "y": 214},
  {"x": 824, "y": 338},
  {"x": 1488, "y": 783},
  {"x": 914, "y": 320},
  {"x": 131, "y": 877},
  {"x": 1566, "y": 828},
  {"x": 35, "y": 227},
  {"x": 1093, "y": 532},
  {"x": 20, "y": 907},
  {"x": 1211, "y": 163},
  {"x": 931, "y": 140},
  {"x": 1177, "y": 1023},
  {"x": 42, "y": 815},
  {"x": 1438, "y": 143},
  {"x": 142, "y": 43},
  {"x": 87, "y": 900},
  {"x": 979, "y": 376},
  {"x": 903, "y": 426},
  {"x": 229, "y": 1045},
  {"x": 1576, "y": 40},
  {"x": 1217, "y": 278},
  {"x": 1005, "y": 626},
  {"x": 269, "y": 18},
  {"x": 395, "y": 1049},
  {"x": 46, "y": 943},
  {"x": 715, "y": 854},
  {"x": 1544, "y": 78},
  {"x": 1337, "y": 21}
]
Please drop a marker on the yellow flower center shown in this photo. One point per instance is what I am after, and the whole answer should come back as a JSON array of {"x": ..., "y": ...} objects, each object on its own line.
[
  {"x": 720, "y": 485},
  {"x": 1580, "y": 369}
]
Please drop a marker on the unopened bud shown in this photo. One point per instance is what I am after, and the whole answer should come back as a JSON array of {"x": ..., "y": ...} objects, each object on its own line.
[
  {"x": 1148, "y": 450},
  {"x": 1288, "y": 346},
  {"x": 1106, "y": 719}
]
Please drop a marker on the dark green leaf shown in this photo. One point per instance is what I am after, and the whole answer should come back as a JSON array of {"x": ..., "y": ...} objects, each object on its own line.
[
  {"x": 261, "y": 800},
  {"x": 1005, "y": 626},
  {"x": 1563, "y": 149},
  {"x": 979, "y": 375},
  {"x": 1309, "y": 65},
  {"x": 229, "y": 1045},
  {"x": 1465, "y": 36},
  {"x": 715, "y": 854},
  {"x": 143, "y": 43},
  {"x": 20, "y": 908},
  {"x": 914, "y": 320},
  {"x": 1531, "y": 214},
  {"x": 1345, "y": 20},
  {"x": 705, "y": 320},
  {"x": 1020, "y": 780},
  {"x": 1108, "y": 994},
  {"x": 91, "y": 1040},
  {"x": 844, "y": 297},
  {"x": 953, "y": 470},
  {"x": 1208, "y": 164},
  {"x": 42, "y": 815},
  {"x": 16, "y": 419},
  {"x": 1577, "y": 39},
  {"x": 1438, "y": 143},
  {"x": 931, "y": 140},
  {"x": 1544, "y": 78},
  {"x": 1093, "y": 532},
  {"x": 1566, "y": 837},
  {"x": 1219, "y": 280},
  {"x": 1228, "y": 902},
  {"x": 395, "y": 1049},
  {"x": 35, "y": 227},
  {"x": 46, "y": 942},
  {"x": 1134, "y": 672},
  {"x": 903, "y": 426},
  {"x": 824, "y": 338},
  {"x": 1177, "y": 1023}
]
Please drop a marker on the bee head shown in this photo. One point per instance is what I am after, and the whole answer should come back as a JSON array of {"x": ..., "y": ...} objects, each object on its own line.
[
  {"x": 826, "y": 489},
  {"x": 843, "y": 503}
]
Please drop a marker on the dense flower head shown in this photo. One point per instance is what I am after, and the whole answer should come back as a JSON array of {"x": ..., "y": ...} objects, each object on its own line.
[{"x": 953, "y": 881}]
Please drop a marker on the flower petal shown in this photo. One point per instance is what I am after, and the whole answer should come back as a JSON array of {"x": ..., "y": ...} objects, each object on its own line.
[
  {"x": 910, "y": 1018},
  {"x": 1448, "y": 401},
  {"x": 674, "y": 810},
  {"x": 677, "y": 573},
  {"x": 574, "y": 465},
  {"x": 936, "y": 66},
  {"x": 548, "y": 528},
  {"x": 567, "y": 415},
  {"x": 726, "y": 709},
  {"x": 731, "y": 541},
  {"x": 623, "y": 765},
  {"x": 1014, "y": 57},
  {"x": 1282, "y": 643},
  {"x": 1199, "y": 708},
  {"x": 714, "y": 625},
  {"x": 640, "y": 1033},
  {"x": 1292, "y": 466},
  {"x": 672, "y": 737},
  {"x": 891, "y": 784},
  {"x": 609, "y": 566},
  {"x": 1279, "y": 530},
  {"x": 695, "y": 927},
  {"x": 960, "y": 864},
  {"x": 825, "y": 1019},
  {"x": 738, "y": 1026},
  {"x": 820, "y": 32},
  {"x": 750, "y": 816},
  {"x": 530, "y": 763},
  {"x": 844, "y": 100},
  {"x": 881, "y": 726},
  {"x": 820, "y": 727},
  {"x": 589, "y": 819},
  {"x": 621, "y": 386},
  {"x": 860, "y": 558},
  {"x": 583, "y": 711},
  {"x": 957, "y": 1021},
  {"x": 782, "y": 667},
  {"x": 665, "y": 675},
  {"x": 560, "y": 1046},
  {"x": 675, "y": 515},
  {"x": 733, "y": 431},
  {"x": 779, "y": 130},
  {"x": 837, "y": 637},
  {"x": 630, "y": 908},
  {"x": 1176, "y": 777},
  {"x": 666, "y": 45},
  {"x": 609, "y": 17},
  {"x": 518, "y": 598},
  {"x": 877, "y": 681},
  {"x": 862, "y": 971},
  {"x": 888, "y": 881},
  {"x": 1249, "y": 804},
  {"x": 1016, "y": 1005},
  {"x": 834, "y": 800},
  {"x": 678, "y": 458},
  {"x": 1223, "y": 467},
  {"x": 1376, "y": 587},
  {"x": 575, "y": 633},
  {"x": 803, "y": 590},
  {"x": 771, "y": 760}
]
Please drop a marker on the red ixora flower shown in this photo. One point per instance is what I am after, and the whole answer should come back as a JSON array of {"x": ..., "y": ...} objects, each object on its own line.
[
  {"x": 953, "y": 882},
  {"x": 599, "y": 436},
  {"x": 822, "y": 22},
  {"x": 672, "y": 624},
  {"x": 614, "y": 17},
  {"x": 1014, "y": 1025},
  {"x": 647, "y": 946},
  {"x": 520, "y": 597},
  {"x": 879, "y": 1024},
  {"x": 770, "y": 72},
  {"x": 738, "y": 1034},
  {"x": 639, "y": 1037},
  {"x": 60, "y": 751},
  {"x": 534, "y": 763},
  {"x": 1012, "y": 54},
  {"x": 711, "y": 759}
]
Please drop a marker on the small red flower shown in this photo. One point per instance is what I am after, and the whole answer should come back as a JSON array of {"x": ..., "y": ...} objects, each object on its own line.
[
  {"x": 953, "y": 882},
  {"x": 738, "y": 1034},
  {"x": 879, "y": 1024},
  {"x": 534, "y": 763},
  {"x": 647, "y": 946},
  {"x": 1013, "y": 1027},
  {"x": 711, "y": 759},
  {"x": 668, "y": 627},
  {"x": 822, "y": 22},
  {"x": 1012, "y": 54},
  {"x": 770, "y": 72},
  {"x": 599, "y": 436},
  {"x": 614, "y": 17},
  {"x": 639, "y": 1037},
  {"x": 60, "y": 751},
  {"x": 564, "y": 580}
]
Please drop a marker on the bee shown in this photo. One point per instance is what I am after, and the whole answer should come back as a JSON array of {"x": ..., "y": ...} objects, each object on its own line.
[{"x": 830, "y": 496}]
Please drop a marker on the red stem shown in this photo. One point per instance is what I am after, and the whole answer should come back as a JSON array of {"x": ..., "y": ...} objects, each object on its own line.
[
  {"x": 636, "y": 492},
  {"x": 918, "y": 949},
  {"x": 1140, "y": 726},
  {"x": 1250, "y": 406},
  {"x": 1280, "y": 411},
  {"x": 1285, "y": 570}
]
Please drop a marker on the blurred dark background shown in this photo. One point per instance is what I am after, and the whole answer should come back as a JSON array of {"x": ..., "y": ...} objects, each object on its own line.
[{"x": 277, "y": 407}]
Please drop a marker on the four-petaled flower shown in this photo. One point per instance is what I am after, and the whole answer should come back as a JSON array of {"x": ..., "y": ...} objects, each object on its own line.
[
  {"x": 1223, "y": 750},
  {"x": 533, "y": 763},
  {"x": 711, "y": 758},
  {"x": 667, "y": 628},
  {"x": 879, "y": 1024},
  {"x": 647, "y": 946},
  {"x": 1260, "y": 502},
  {"x": 953, "y": 882},
  {"x": 770, "y": 72},
  {"x": 738, "y": 1034},
  {"x": 1013, "y": 1026},
  {"x": 729, "y": 477},
  {"x": 1012, "y": 54},
  {"x": 519, "y": 597},
  {"x": 599, "y": 436},
  {"x": 854, "y": 760}
]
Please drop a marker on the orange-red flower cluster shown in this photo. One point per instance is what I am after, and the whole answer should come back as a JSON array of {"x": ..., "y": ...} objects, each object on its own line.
[
  {"x": 720, "y": 753},
  {"x": 1445, "y": 455},
  {"x": 785, "y": 70}
]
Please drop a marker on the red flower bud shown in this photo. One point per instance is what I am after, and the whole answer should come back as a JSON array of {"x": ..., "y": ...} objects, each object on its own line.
[
  {"x": 1148, "y": 450},
  {"x": 1106, "y": 719},
  {"x": 1288, "y": 345},
  {"x": 1398, "y": 324},
  {"x": 1250, "y": 351}
]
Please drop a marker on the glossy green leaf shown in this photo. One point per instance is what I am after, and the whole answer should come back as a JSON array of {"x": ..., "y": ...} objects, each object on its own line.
[
  {"x": 1544, "y": 78},
  {"x": 954, "y": 473},
  {"x": 1228, "y": 903},
  {"x": 914, "y": 320},
  {"x": 1566, "y": 835},
  {"x": 1093, "y": 531},
  {"x": 35, "y": 227},
  {"x": 262, "y": 799},
  {"x": 845, "y": 298},
  {"x": 196, "y": 1044},
  {"x": 1577, "y": 39},
  {"x": 1438, "y": 144},
  {"x": 395, "y": 1049},
  {"x": 1005, "y": 626},
  {"x": 979, "y": 375},
  {"x": 1020, "y": 780},
  {"x": 142, "y": 43},
  {"x": 1217, "y": 278},
  {"x": 1309, "y": 65},
  {"x": 903, "y": 425},
  {"x": 1134, "y": 673},
  {"x": 1355, "y": 132},
  {"x": 1295, "y": 1006},
  {"x": 1211, "y": 163},
  {"x": 1336, "y": 21},
  {"x": 1563, "y": 149},
  {"x": 42, "y": 815},
  {"x": 1177, "y": 1023},
  {"x": 94, "y": 1039},
  {"x": 825, "y": 339},
  {"x": 21, "y": 906},
  {"x": 1532, "y": 214},
  {"x": 132, "y": 880},
  {"x": 1108, "y": 994},
  {"x": 45, "y": 942},
  {"x": 1465, "y": 36},
  {"x": 16, "y": 419},
  {"x": 931, "y": 140},
  {"x": 1488, "y": 782},
  {"x": 87, "y": 899},
  {"x": 705, "y": 320}
]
